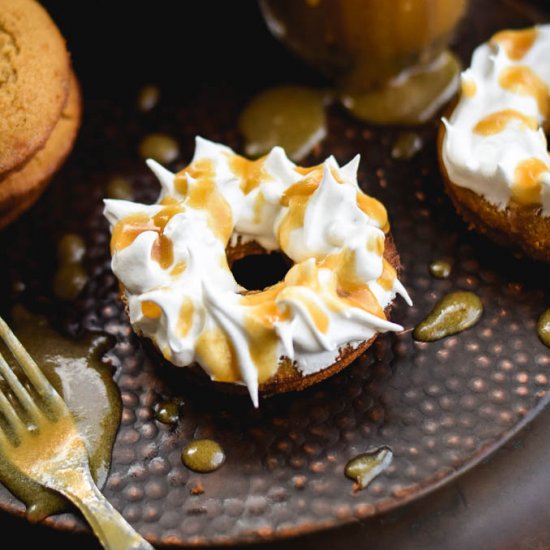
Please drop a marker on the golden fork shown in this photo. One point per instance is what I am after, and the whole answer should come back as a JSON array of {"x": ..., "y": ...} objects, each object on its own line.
[{"x": 39, "y": 437}]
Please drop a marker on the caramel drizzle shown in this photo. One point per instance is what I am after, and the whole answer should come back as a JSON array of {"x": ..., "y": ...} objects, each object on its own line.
[
  {"x": 469, "y": 88},
  {"x": 297, "y": 196},
  {"x": 204, "y": 195},
  {"x": 522, "y": 80},
  {"x": 214, "y": 348},
  {"x": 129, "y": 228},
  {"x": 497, "y": 122},
  {"x": 516, "y": 43},
  {"x": 344, "y": 290},
  {"x": 527, "y": 186},
  {"x": 251, "y": 172}
]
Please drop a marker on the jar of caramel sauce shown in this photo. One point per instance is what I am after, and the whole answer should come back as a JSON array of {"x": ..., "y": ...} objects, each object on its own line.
[{"x": 369, "y": 45}]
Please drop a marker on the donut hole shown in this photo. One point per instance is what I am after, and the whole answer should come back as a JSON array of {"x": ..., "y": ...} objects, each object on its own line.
[{"x": 260, "y": 270}]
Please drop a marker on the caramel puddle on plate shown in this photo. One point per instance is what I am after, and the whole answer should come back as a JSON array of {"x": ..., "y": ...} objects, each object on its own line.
[
  {"x": 454, "y": 313},
  {"x": 365, "y": 467},
  {"x": 411, "y": 98},
  {"x": 75, "y": 368},
  {"x": 292, "y": 117}
]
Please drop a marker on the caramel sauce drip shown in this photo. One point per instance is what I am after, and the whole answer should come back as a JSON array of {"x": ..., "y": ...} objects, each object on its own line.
[
  {"x": 251, "y": 172},
  {"x": 376, "y": 245},
  {"x": 185, "y": 320},
  {"x": 262, "y": 346},
  {"x": 306, "y": 187},
  {"x": 527, "y": 186},
  {"x": 259, "y": 203},
  {"x": 178, "y": 269},
  {"x": 516, "y": 43},
  {"x": 296, "y": 197},
  {"x": 374, "y": 209},
  {"x": 497, "y": 122},
  {"x": 127, "y": 230},
  {"x": 350, "y": 290},
  {"x": 387, "y": 279},
  {"x": 522, "y": 80},
  {"x": 293, "y": 220},
  {"x": 163, "y": 251},
  {"x": 150, "y": 309},
  {"x": 469, "y": 88},
  {"x": 204, "y": 195},
  {"x": 306, "y": 170},
  {"x": 214, "y": 348},
  {"x": 169, "y": 201}
]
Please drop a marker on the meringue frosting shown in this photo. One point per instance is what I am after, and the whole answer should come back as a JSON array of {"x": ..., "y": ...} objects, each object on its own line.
[
  {"x": 494, "y": 142},
  {"x": 170, "y": 258}
]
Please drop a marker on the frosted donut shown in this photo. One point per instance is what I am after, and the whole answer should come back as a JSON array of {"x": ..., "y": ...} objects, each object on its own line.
[
  {"x": 494, "y": 153},
  {"x": 171, "y": 259}
]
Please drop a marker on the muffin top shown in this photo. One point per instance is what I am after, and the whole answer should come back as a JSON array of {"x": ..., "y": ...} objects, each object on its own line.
[{"x": 34, "y": 80}]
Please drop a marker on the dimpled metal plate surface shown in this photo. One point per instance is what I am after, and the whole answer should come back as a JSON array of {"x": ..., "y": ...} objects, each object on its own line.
[{"x": 441, "y": 407}]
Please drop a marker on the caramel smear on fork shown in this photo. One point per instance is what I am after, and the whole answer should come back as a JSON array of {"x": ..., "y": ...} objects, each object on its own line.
[
  {"x": 77, "y": 372},
  {"x": 40, "y": 439}
]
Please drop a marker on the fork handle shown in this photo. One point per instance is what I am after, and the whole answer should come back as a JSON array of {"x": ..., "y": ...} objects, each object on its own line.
[{"x": 112, "y": 530}]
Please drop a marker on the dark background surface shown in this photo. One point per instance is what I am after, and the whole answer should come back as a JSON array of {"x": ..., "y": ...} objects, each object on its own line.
[{"x": 118, "y": 46}]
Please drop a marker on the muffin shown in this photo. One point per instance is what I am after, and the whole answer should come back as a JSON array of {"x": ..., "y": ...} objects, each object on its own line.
[{"x": 493, "y": 151}]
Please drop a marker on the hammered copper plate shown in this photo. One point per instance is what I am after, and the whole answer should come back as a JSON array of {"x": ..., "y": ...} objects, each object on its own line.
[{"x": 440, "y": 407}]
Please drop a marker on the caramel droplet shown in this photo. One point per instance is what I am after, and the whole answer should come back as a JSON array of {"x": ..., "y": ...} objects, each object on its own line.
[
  {"x": 203, "y": 455},
  {"x": 69, "y": 281},
  {"x": 454, "y": 313},
  {"x": 440, "y": 269},
  {"x": 148, "y": 98},
  {"x": 543, "y": 328},
  {"x": 159, "y": 147},
  {"x": 168, "y": 412},
  {"x": 365, "y": 467},
  {"x": 71, "y": 249}
]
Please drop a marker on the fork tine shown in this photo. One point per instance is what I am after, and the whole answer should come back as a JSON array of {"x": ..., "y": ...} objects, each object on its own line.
[
  {"x": 32, "y": 370},
  {"x": 13, "y": 419},
  {"x": 19, "y": 390}
]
